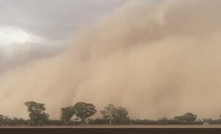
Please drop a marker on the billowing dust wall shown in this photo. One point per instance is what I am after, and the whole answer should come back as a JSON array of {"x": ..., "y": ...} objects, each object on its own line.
[{"x": 155, "y": 58}]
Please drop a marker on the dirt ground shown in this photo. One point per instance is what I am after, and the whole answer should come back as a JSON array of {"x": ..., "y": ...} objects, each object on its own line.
[{"x": 120, "y": 126}]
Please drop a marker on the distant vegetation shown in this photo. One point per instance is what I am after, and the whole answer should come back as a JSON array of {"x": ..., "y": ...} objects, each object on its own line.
[{"x": 83, "y": 111}]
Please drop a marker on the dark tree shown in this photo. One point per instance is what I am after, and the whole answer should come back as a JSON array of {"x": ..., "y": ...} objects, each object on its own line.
[
  {"x": 1, "y": 120},
  {"x": 121, "y": 115},
  {"x": 207, "y": 120},
  {"x": 186, "y": 118},
  {"x": 66, "y": 114},
  {"x": 84, "y": 111},
  {"x": 37, "y": 113}
]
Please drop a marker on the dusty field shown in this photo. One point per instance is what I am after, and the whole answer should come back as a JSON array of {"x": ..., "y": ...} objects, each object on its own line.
[{"x": 121, "y": 126}]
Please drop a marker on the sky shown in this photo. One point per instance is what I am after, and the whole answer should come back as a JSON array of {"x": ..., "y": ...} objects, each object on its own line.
[
  {"x": 40, "y": 28},
  {"x": 50, "y": 20}
]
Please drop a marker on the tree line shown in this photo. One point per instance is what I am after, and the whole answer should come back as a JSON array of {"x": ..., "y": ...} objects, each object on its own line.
[{"x": 83, "y": 112}]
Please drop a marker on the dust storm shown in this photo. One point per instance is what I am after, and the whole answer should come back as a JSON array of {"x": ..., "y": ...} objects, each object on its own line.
[{"x": 156, "y": 59}]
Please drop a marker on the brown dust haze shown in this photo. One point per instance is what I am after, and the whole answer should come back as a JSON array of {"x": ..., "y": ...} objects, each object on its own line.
[{"x": 156, "y": 59}]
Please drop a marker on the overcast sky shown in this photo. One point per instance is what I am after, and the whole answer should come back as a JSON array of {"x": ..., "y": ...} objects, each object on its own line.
[
  {"x": 27, "y": 27},
  {"x": 40, "y": 20}
]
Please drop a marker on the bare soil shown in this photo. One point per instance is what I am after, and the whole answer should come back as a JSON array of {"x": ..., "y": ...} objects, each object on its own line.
[{"x": 120, "y": 126}]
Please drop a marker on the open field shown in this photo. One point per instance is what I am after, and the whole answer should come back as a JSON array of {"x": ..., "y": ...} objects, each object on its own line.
[{"x": 120, "y": 126}]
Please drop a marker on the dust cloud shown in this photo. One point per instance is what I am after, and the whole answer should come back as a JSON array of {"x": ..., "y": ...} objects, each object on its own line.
[{"x": 158, "y": 59}]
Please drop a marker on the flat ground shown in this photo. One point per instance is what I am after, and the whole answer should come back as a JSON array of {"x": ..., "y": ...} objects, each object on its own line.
[{"x": 121, "y": 126}]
